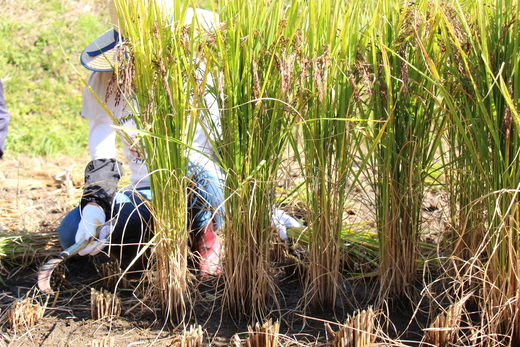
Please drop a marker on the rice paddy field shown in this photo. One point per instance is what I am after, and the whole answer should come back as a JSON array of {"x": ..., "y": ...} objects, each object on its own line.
[{"x": 389, "y": 129}]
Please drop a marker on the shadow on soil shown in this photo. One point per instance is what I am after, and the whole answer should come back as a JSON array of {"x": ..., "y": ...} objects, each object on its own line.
[{"x": 68, "y": 321}]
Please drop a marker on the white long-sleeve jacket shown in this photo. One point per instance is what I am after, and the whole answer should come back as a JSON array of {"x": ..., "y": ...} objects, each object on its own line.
[
  {"x": 104, "y": 171},
  {"x": 102, "y": 134}
]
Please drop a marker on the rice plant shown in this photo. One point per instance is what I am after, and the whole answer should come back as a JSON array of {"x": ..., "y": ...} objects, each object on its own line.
[
  {"x": 255, "y": 55},
  {"x": 164, "y": 72},
  {"x": 329, "y": 106},
  {"x": 483, "y": 91},
  {"x": 404, "y": 56}
]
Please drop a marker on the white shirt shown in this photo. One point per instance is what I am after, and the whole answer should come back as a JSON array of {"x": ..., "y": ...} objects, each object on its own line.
[
  {"x": 102, "y": 139},
  {"x": 102, "y": 134}
]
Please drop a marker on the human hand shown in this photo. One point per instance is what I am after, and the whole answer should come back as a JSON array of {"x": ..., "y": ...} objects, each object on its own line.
[
  {"x": 92, "y": 217},
  {"x": 281, "y": 221},
  {"x": 96, "y": 245}
]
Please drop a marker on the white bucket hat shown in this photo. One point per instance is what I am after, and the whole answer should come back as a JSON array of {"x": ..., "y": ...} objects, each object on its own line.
[{"x": 101, "y": 55}]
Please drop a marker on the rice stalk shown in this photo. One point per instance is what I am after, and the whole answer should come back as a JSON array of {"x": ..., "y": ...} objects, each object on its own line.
[
  {"x": 104, "y": 305},
  {"x": 106, "y": 341},
  {"x": 482, "y": 40},
  {"x": 113, "y": 276},
  {"x": 255, "y": 56},
  {"x": 404, "y": 56},
  {"x": 357, "y": 331},
  {"x": 265, "y": 335},
  {"x": 446, "y": 327},
  {"x": 24, "y": 313},
  {"x": 165, "y": 64},
  {"x": 194, "y": 337},
  {"x": 500, "y": 311}
]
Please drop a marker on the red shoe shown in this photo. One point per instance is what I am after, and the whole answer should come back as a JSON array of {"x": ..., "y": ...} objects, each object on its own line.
[{"x": 209, "y": 248}]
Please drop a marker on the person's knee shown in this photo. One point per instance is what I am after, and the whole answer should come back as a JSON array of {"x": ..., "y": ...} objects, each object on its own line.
[
  {"x": 132, "y": 223},
  {"x": 68, "y": 227},
  {"x": 205, "y": 201}
]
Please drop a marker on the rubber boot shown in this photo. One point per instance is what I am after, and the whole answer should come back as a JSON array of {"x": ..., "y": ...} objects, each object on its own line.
[{"x": 208, "y": 248}]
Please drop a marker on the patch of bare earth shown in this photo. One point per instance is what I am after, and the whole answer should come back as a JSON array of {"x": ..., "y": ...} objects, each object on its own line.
[{"x": 35, "y": 194}]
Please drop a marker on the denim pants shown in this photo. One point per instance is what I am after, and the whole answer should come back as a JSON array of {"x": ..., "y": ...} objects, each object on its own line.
[{"x": 131, "y": 217}]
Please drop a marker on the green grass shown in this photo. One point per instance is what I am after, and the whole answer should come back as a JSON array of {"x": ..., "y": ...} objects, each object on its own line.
[{"x": 41, "y": 43}]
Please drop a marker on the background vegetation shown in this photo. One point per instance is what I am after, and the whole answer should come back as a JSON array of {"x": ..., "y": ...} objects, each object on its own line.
[
  {"x": 39, "y": 67},
  {"x": 428, "y": 94}
]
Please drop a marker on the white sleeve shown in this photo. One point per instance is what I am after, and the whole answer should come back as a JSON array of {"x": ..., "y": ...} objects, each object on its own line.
[
  {"x": 209, "y": 128},
  {"x": 101, "y": 138}
]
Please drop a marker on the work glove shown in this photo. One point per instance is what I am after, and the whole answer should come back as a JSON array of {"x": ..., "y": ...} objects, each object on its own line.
[
  {"x": 96, "y": 245},
  {"x": 281, "y": 221},
  {"x": 92, "y": 216}
]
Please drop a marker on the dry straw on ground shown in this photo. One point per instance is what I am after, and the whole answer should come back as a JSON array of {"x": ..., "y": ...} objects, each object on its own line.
[
  {"x": 24, "y": 313},
  {"x": 358, "y": 330},
  {"x": 260, "y": 336},
  {"x": 104, "y": 305}
]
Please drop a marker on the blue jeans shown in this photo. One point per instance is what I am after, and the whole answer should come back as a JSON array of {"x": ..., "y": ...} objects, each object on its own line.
[{"x": 132, "y": 218}]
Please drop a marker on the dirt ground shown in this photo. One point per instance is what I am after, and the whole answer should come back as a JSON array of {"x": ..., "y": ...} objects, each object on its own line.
[{"x": 35, "y": 194}]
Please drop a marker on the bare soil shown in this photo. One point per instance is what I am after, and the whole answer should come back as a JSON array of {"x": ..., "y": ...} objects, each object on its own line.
[{"x": 35, "y": 193}]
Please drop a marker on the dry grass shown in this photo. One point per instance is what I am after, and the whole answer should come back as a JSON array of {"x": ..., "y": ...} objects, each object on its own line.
[
  {"x": 24, "y": 314},
  {"x": 358, "y": 330},
  {"x": 104, "y": 305}
]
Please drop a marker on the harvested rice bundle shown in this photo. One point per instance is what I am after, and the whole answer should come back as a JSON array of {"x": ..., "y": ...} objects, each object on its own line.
[{"x": 26, "y": 248}]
